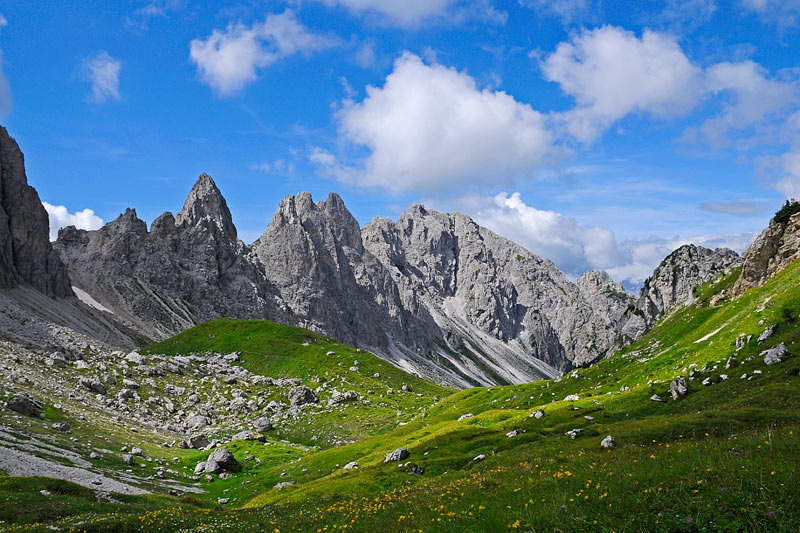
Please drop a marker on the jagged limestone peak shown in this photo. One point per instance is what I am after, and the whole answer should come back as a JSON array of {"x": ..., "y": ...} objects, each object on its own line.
[{"x": 206, "y": 203}]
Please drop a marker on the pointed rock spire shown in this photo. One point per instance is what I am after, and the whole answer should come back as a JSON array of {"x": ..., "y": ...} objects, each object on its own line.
[{"x": 205, "y": 202}]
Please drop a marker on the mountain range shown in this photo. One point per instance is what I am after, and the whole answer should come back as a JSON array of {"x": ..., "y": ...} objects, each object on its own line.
[{"x": 434, "y": 293}]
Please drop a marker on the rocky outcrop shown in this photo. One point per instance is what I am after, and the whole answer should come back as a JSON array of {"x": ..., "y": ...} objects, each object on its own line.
[
  {"x": 502, "y": 309},
  {"x": 26, "y": 255},
  {"x": 314, "y": 255},
  {"x": 672, "y": 284},
  {"x": 187, "y": 269},
  {"x": 772, "y": 251},
  {"x": 605, "y": 296}
]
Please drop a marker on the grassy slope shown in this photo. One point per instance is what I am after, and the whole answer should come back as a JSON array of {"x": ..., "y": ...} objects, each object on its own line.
[{"x": 725, "y": 457}]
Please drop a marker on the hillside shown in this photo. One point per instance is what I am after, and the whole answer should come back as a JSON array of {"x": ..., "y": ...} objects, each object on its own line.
[{"x": 724, "y": 456}]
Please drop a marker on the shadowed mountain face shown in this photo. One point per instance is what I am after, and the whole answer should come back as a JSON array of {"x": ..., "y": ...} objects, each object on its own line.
[
  {"x": 26, "y": 255},
  {"x": 433, "y": 292}
]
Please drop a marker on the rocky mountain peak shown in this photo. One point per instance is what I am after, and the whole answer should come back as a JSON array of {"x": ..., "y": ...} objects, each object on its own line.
[
  {"x": 772, "y": 251},
  {"x": 26, "y": 255},
  {"x": 673, "y": 282},
  {"x": 206, "y": 205}
]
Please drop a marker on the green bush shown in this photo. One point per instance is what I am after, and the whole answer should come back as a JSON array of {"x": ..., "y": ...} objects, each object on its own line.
[{"x": 787, "y": 211}]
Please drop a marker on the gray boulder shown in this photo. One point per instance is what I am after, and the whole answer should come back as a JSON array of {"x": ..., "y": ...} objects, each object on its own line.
[
  {"x": 607, "y": 442},
  {"x": 262, "y": 425},
  {"x": 678, "y": 387},
  {"x": 301, "y": 396},
  {"x": 775, "y": 355},
  {"x": 766, "y": 334},
  {"x": 198, "y": 441},
  {"x": 400, "y": 454},
  {"x": 197, "y": 422},
  {"x": 24, "y": 404},
  {"x": 223, "y": 459}
]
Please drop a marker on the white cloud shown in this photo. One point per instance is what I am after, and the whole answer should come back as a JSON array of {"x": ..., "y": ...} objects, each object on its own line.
[
  {"x": 3, "y": 21},
  {"x": 782, "y": 12},
  {"x": 102, "y": 71},
  {"x": 402, "y": 12},
  {"x": 612, "y": 73},
  {"x": 566, "y": 10},
  {"x": 229, "y": 60},
  {"x": 430, "y": 126},
  {"x": 366, "y": 54},
  {"x": 789, "y": 184},
  {"x": 576, "y": 248},
  {"x": 752, "y": 97},
  {"x": 61, "y": 218}
]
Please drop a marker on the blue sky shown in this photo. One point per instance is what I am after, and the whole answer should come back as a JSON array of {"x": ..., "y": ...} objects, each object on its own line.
[{"x": 599, "y": 134}]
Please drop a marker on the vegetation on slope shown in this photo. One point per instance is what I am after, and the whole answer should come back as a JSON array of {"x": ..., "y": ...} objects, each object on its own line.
[{"x": 725, "y": 457}]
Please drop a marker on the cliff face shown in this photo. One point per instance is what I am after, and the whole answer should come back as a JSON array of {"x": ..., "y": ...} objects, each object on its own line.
[
  {"x": 187, "y": 269},
  {"x": 673, "y": 282},
  {"x": 774, "y": 249},
  {"x": 26, "y": 255}
]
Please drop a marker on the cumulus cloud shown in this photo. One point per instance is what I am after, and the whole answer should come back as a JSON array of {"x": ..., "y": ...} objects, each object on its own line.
[
  {"x": 102, "y": 71},
  {"x": 61, "y": 218},
  {"x": 229, "y": 60},
  {"x": 612, "y": 73},
  {"x": 751, "y": 97},
  {"x": 430, "y": 126},
  {"x": 576, "y": 248}
]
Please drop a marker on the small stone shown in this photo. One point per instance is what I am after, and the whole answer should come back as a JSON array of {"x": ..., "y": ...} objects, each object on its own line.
[
  {"x": 607, "y": 442},
  {"x": 223, "y": 501},
  {"x": 766, "y": 334},
  {"x": 61, "y": 426},
  {"x": 571, "y": 398},
  {"x": 479, "y": 458},
  {"x": 656, "y": 398},
  {"x": 512, "y": 433},
  {"x": 464, "y": 417},
  {"x": 539, "y": 413},
  {"x": 351, "y": 465}
]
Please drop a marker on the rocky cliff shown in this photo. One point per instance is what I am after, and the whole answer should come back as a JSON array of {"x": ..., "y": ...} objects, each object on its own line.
[
  {"x": 774, "y": 249},
  {"x": 672, "y": 284},
  {"x": 26, "y": 256},
  {"x": 187, "y": 269}
]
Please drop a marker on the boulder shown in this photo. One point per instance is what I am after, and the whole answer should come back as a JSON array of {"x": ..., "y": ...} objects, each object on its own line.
[
  {"x": 262, "y": 425},
  {"x": 539, "y": 413},
  {"x": 198, "y": 441},
  {"x": 766, "y": 334},
  {"x": 25, "y": 405},
  {"x": 775, "y": 355},
  {"x": 571, "y": 398},
  {"x": 464, "y": 417},
  {"x": 301, "y": 396},
  {"x": 197, "y": 422},
  {"x": 607, "y": 442},
  {"x": 224, "y": 459},
  {"x": 399, "y": 454},
  {"x": 678, "y": 387},
  {"x": 351, "y": 465}
]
